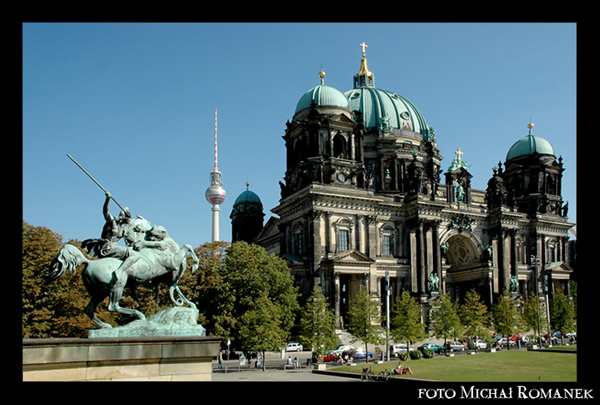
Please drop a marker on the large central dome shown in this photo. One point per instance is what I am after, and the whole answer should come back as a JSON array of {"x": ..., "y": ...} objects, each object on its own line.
[
  {"x": 385, "y": 110},
  {"x": 382, "y": 111}
]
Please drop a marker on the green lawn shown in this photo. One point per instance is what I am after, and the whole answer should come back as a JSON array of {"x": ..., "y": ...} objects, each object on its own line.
[{"x": 504, "y": 366}]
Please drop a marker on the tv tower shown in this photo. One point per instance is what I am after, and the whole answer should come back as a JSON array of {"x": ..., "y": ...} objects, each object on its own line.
[{"x": 215, "y": 194}]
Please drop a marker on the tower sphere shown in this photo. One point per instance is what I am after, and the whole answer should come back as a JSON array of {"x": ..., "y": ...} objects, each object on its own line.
[{"x": 215, "y": 194}]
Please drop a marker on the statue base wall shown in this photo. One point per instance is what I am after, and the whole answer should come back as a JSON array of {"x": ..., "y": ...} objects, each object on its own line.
[
  {"x": 187, "y": 358},
  {"x": 172, "y": 322}
]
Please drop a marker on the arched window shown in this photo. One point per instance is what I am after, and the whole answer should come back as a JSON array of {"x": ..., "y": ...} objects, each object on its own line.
[
  {"x": 298, "y": 239},
  {"x": 340, "y": 147},
  {"x": 387, "y": 234}
]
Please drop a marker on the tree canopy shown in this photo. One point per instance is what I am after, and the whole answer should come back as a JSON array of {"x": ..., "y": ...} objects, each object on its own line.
[
  {"x": 243, "y": 291},
  {"x": 317, "y": 324},
  {"x": 474, "y": 315},
  {"x": 364, "y": 319},
  {"x": 444, "y": 319},
  {"x": 506, "y": 317},
  {"x": 405, "y": 322}
]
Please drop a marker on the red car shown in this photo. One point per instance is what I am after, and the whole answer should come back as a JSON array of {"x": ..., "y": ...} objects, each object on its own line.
[{"x": 330, "y": 357}]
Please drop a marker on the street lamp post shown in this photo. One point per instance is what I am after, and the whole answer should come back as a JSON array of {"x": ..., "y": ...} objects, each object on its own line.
[{"x": 387, "y": 315}]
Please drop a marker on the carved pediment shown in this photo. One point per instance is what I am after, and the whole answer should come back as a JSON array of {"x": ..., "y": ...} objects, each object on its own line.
[
  {"x": 558, "y": 269},
  {"x": 352, "y": 257}
]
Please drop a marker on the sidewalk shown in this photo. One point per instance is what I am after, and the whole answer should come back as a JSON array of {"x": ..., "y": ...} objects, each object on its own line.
[{"x": 274, "y": 375}]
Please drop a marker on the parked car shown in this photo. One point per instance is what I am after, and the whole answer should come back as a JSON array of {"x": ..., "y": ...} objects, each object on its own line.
[
  {"x": 360, "y": 354},
  {"x": 341, "y": 349},
  {"x": 432, "y": 346},
  {"x": 330, "y": 357},
  {"x": 480, "y": 344},
  {"x": 293, "y": 347},
  {"x": 504, "y": 341},
  {"x": 395, "y": 350},
  {"x": 456, "y": 345}
]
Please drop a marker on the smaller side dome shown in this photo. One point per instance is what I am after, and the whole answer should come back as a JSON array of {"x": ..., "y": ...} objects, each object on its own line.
[
  {"x": 529, "y": 145},
  {"x": 322, "y": 96},
  {"x": 248, "y": 197}
]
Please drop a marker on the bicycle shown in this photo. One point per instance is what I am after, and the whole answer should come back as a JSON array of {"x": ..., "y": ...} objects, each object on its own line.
[
  {"x": 367, "y": 374},
  {"x": 385, "y": 375}
]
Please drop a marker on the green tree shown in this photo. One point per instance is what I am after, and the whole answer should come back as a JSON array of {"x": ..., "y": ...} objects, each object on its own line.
[
  {"x": 212, "y": 294},
  {"x": 474, "y": 315},
  {"x": 506, "y": 318},
  {"x": 405, "y": 322},
  {"x": 533, "y": 311},
  {"x": 317, "y": 324},
  {"x": 444, "y": 319},
  {"x": 38, "y": 248},
  {"x": 260, "y": 327},
  {"x": 562, "y": 313},
  {"x": 49, "y": 308},
  {"x": 241, "y": 284},
  {"x": 364, "y": 319}
]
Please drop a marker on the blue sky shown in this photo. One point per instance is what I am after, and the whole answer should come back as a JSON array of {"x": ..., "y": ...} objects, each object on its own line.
[{"x": 134, "y": 104}]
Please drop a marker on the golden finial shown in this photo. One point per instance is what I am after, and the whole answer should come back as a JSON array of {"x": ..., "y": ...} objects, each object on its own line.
[
  {"x": 530, "y": 126},
  {"x": 322, "y": 75},
  {"x": 364, "y": 75}
]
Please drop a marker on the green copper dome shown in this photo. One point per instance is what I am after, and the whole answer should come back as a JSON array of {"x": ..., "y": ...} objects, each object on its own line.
[
  {"x": 322, "y": 96},
  {"x": 248, "y": 197},
  {"x": 381, "y": 109},
  {"x": 529, "y": 145},
  {"x": 385, "y": 110}
]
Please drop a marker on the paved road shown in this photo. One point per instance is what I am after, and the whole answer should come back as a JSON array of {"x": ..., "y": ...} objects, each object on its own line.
[
  {"x": 274, "y": 371},
  {"x": 271, "y": 375}
]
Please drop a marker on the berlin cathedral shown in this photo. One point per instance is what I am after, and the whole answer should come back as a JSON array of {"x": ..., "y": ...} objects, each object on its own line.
[{"x": 365, "y": 202}]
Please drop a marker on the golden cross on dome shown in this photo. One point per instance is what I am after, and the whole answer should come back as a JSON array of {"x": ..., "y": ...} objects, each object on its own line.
[
  {"x": 363, "y": 46},
  {"x": 458, "y": 154}
]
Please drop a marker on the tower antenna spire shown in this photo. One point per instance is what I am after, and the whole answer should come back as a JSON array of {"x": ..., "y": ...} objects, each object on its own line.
[
  {"x": 216, "y": 149},
  {"x": 215, "y": 194}
]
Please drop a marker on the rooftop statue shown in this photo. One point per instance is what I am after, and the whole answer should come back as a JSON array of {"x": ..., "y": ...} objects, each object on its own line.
[{"x": 149, "y": 254}]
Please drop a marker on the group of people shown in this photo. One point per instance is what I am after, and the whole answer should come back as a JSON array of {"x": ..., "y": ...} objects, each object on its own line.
[
  {"x": 293, "y": 362},
  {"x": 401, "y": 370},
  {"x": 344, "y": 358}
]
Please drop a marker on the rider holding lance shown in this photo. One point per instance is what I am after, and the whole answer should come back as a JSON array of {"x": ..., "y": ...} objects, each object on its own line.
[{"x": 113, "y": 230}]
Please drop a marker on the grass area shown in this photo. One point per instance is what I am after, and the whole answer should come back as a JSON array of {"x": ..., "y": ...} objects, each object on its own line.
[{"x": 504, "y": 366}]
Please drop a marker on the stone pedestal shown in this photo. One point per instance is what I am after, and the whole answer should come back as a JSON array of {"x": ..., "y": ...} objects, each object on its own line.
[
  {"x": 183, "y": 358},
  {"x": 172, "y": 322}
]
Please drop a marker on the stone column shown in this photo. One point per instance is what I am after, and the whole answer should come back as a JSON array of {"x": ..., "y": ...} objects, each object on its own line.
[
  {"x": 337, "y": 296},
  {"x": 362, "y": 234},
  {"x": 372, "y": 224},
  {"x": 437, "y": 253},
  {"x": 421, "y": 276},
  {"x": 503, "y": 269},
  {"x": 329, "y": 236}
]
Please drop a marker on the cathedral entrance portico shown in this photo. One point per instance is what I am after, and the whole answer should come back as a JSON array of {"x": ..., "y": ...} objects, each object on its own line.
[
  {"x": 349, "y": 272},
  {"x": 465, "y": 269}
]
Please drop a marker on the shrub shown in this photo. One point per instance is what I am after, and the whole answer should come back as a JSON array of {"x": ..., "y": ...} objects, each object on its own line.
[
  {"x": 417, "y": 354},
  {"x": 403, "y": 356},
  {"x": 428, "y": 353}
]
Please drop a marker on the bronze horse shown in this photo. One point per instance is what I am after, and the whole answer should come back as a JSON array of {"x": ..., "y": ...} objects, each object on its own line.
[{"x": 156, "y": 257}]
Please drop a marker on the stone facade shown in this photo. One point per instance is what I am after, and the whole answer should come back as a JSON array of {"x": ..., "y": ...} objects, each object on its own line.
[
  {"x": 125, "y": 359},
  {"x": 361, "y": 201}
]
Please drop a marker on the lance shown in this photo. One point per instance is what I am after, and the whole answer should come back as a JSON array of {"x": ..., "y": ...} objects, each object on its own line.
[{"x": 94, "y": 180}]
